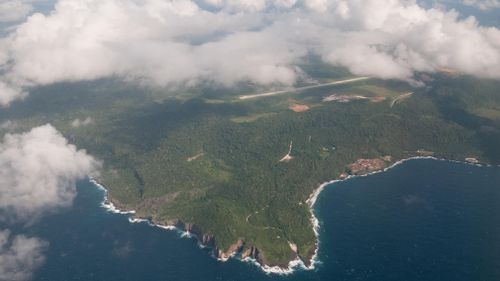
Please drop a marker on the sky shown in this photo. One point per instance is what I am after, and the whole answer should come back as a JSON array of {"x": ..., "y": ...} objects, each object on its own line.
[{"x": 182, "y": 43}]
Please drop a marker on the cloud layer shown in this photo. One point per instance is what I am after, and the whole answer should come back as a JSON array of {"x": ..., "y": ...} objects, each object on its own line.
[
  {"x": 14, "y": 10},
  {"x": 19, "y": 256},
  {"x": 182, "y": 42},
  {"x": 38, "y": 171}
]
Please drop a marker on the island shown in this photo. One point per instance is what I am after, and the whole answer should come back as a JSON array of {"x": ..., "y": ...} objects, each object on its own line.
[{"x": 237, "y": 169}]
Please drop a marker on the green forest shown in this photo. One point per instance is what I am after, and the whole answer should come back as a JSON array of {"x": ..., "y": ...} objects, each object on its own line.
[{"x": 205, "y": 157}]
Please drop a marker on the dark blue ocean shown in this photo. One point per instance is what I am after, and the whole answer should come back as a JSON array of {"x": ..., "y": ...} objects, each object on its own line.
[{"x": 423, "y": 220}]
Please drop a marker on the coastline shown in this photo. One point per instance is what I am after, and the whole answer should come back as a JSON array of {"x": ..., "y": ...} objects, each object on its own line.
[
  {"x": 293, "y": 265},
  {"x": 311, "y": 201},
  {"x": 110, "y": 207}
]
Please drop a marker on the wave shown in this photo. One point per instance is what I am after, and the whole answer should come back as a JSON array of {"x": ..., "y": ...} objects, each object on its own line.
[{"x": 293, "y": 265}]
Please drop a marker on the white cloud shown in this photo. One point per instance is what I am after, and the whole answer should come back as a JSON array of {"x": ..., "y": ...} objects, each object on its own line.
[
  {"x": 38, "y": 171},
  {"x": 10, "y": 93},
  {"x": 318, "y": 5},
  {"x": 79, "y": 123},
  {"x": 19, "y": 256},
  {"x": 392, "y": 40},
  {"x": 14, "y": 10},
  {"x": 179, "y": 43},
  {"x": 483, "y": 4}
]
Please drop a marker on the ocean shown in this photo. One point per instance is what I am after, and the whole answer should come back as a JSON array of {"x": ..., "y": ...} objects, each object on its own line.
[{"x": 422, "y": 220}]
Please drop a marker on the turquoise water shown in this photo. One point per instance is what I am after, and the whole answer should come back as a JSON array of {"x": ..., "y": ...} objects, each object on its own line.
[{"x": 422, "y": 220}]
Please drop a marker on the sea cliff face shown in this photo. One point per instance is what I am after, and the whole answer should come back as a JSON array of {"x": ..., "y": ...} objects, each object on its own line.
[{"x": 238, "y": 249}]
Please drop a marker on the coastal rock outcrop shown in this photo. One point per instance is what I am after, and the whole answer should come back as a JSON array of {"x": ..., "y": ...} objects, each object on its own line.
[
  {"x": 232, "y": 250},
  {"x": 208, "y": 240},
  {"x": 250, "y": 252}
]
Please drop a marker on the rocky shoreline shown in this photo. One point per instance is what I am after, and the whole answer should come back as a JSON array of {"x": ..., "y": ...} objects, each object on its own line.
[
  {"x": 248, "y": 253},
  {"x": 205, "y": 240}
]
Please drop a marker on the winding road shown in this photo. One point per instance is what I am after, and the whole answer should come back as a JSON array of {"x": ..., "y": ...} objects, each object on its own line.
[{"x": 400, "y": 98}]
